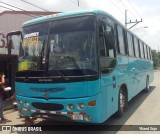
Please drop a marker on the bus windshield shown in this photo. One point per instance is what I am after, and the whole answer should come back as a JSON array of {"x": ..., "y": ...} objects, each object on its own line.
[
  {"x": 33, "y": 47},
  {"x": 67, "y": 44}
]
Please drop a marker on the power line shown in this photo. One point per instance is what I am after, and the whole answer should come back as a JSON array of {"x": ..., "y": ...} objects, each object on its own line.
[
  {"x": 134, "y": 8},
  {"x": 73, "y": 1},
  {"x": 127, "y": 9},
  {"x": 118, "y": 8},
  {"x": 137, "y": 14},
  {"x": 34, "y": 5},
  {"x": 15, "y": 10},
  {"x": 84, "y": 4},
  {"x": 144, "y": 36},
  {"x": 18, "y": 8},
  {"x": 6, "y": 8}
]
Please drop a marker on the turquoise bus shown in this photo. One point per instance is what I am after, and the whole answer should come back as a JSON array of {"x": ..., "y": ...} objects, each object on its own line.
[{"x": 83, "y": 66}]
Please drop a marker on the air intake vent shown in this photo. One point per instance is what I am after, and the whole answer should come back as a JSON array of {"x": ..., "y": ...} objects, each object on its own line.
[{"x": 48, "y": 106}]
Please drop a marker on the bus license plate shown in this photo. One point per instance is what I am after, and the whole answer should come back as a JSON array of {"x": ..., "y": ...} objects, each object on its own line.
[{"x": 77, "y": 117}]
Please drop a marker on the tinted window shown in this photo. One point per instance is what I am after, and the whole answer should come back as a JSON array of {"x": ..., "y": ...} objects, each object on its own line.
[
  {"x": 150, "y": 53},
  {"x": 141, "y": 49},
  {"x": 73, "y": 24},
  {"x": 121, "y": 40},
  {"x": 130, "y": 44},
  {"x": 136, "y": 47},
  {"x": 148, "y": 56},
  {"x": 109, "y": 42},
  {"x": 34, "y": 43},
  {"x": 145, "y": 51},
  {"x": 107, "y": 51}
]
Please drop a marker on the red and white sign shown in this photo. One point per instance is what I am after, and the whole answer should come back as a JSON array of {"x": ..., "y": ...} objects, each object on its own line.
[{"x": 4, "y": 47}]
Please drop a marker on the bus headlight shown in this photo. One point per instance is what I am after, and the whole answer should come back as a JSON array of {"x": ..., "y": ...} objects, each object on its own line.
[
  {"x": 81, "y": 106},
  {"x": 70, "y": 107},
  {"x": 26, "y": 104},
  {"x": 20, "y": 102}
]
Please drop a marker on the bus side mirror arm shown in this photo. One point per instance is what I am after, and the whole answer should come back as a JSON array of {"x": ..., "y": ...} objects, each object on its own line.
[
  {"x": 13, "y": 33},
  {"x": 9, "y": 39}
]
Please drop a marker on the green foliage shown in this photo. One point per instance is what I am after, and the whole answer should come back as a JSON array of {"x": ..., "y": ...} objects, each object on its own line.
[{"x": 156, "y": 59}]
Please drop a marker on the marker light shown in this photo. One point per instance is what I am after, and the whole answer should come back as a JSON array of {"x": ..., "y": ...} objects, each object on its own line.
[
  {"x": 81, "y": 106},
  {"x": 26, "y": 104},
  {"x": 70, "y": 107},
  {"x": 20, "y": 102},
  {"x": 92, "y": 103}
]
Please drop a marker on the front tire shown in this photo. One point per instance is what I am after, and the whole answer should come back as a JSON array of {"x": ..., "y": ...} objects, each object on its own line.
[{"x": 122, "y": 103}]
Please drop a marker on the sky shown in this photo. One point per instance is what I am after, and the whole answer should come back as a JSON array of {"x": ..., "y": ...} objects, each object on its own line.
[{"x": 147, "y": 10}]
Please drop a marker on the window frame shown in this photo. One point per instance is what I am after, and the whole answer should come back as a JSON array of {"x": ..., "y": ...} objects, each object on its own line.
[
  {"x": 124, "y": 40},
  {"x": 130, "y": 47},
  {"x": 136, "y": 47}
]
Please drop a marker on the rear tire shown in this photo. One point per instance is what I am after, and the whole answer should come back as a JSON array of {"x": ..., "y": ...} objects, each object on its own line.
[
  {"x": 122, "y": 103},
  {"x": 146, "y": 90}
]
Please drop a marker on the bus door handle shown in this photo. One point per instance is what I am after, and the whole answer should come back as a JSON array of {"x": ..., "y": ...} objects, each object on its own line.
[
  {"x": 114, "y": 78},
  {"x": 114, "y": 81},
  {"x": 114, "y": 84}
]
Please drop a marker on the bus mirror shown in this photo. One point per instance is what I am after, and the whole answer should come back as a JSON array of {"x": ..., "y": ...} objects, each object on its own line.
[{"x": 13, "y": 39}]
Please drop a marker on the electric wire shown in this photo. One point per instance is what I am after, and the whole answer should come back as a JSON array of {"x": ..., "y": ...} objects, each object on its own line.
[
  {"x": 119, "y": 9},
  {"x": 139, "y": 16},
  {"x": 15, "y": 10},
  {"x": 34, "y": 5},
  {"x": 75, "y": 2},
  {"x": 18, "y": 8},
  {"x": 84, "y": 4}
]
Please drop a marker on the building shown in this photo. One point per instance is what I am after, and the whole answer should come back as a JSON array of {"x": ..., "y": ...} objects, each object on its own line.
[{"x": 12, "y": 21}]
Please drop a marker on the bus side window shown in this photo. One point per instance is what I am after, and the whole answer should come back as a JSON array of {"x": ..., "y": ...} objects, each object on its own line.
[
  {"x": 136, "y": 47},
  {"x": 109, "y": 42},
  {"x": 121, "y": 40},
  {"x": 141, "y": 49},
  {"x": 145, "y": 51},
  {"x": 130, "y": 44},
  {"x": 107, "y": 50},
  {"x": 148, "y": 53}
]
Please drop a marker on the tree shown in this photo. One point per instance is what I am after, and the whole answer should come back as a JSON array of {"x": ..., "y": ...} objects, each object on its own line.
[{"x": 156, "y": 59}]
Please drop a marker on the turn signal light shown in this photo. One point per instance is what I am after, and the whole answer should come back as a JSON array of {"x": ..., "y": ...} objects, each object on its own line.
[{"x": 92, "y": 103}]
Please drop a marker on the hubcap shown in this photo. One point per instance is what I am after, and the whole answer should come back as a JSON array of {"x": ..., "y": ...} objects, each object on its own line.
[{"x": 122, "y": 101}]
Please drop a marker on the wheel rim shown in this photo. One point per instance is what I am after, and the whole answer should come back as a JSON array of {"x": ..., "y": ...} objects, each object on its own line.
[
  {"x": 122, "y": 101},
  {"x": 147, "y": 84}
]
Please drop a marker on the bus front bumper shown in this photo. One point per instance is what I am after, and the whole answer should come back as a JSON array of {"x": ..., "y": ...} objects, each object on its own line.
[{"x": 86, "y": 109}]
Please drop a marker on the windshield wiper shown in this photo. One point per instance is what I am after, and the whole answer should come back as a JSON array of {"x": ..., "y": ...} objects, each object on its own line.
[{"x": 59, "y": 70}]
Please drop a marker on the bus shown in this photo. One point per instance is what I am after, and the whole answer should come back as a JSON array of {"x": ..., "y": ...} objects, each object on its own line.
[{"x": 82, "y": 66}]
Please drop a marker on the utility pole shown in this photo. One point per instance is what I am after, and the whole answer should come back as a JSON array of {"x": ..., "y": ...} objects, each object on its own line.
[
  {"x": 135, "y": 22},
  {"x": 126, "y": 18}
]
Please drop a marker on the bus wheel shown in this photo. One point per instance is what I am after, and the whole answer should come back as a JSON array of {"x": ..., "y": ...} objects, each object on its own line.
[
  {"x": 122, "y": 103},
  {"x": 146, "y": 90}
]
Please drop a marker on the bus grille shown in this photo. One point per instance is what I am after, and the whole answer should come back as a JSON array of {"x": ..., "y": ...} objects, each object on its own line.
[{"x": 48, "y": 106}]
